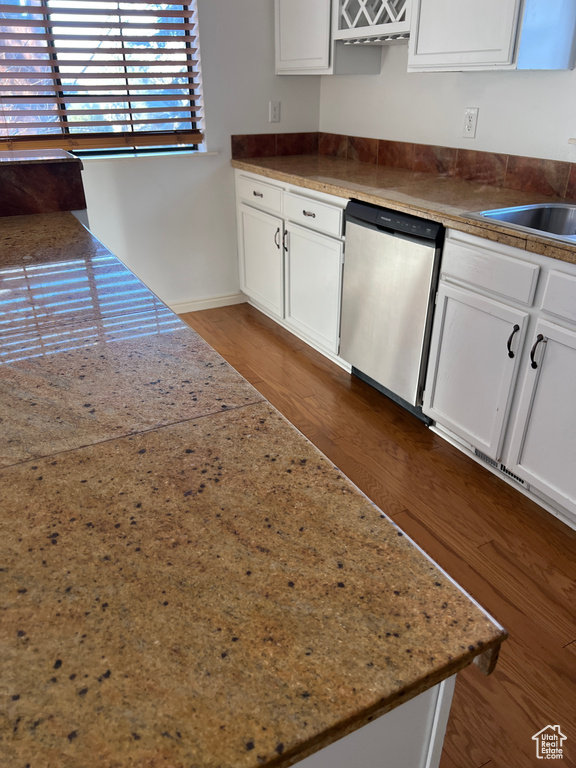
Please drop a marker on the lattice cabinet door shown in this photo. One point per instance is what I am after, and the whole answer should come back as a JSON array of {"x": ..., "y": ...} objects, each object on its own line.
[{"x": 372, "y": 18}]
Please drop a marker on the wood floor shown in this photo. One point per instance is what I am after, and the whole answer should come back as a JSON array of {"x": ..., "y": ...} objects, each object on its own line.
[{"x": 517, "y": 560}]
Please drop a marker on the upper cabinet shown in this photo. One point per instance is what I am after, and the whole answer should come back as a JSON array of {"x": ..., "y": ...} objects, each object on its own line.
[
  {"x": 302, "y": 35},
  {"x": 305, "y": 44},
  {"x": 373, "y": 20},
  {"x": 450, "y": 35},
  {"x": 342, "y": 37}
]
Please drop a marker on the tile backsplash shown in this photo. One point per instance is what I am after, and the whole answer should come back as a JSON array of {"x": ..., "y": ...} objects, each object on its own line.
[
  {"x": 274, "y": 144},
  {"x": 530, "y": 174}
]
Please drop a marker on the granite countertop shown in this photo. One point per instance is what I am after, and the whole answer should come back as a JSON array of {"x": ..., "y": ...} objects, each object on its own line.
[
  {"x": 26, "y": 156},
  {"x": 439, "y": 198},
  {"x": 184, "y": 579}
]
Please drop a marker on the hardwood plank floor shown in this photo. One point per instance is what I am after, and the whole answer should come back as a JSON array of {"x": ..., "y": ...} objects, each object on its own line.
[{"x": 517, "y": 560}]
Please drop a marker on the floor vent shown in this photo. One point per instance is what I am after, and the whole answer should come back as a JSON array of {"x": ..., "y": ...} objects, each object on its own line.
[
  {"x": 499, "y": 466},
  {"x": 487, "y": 459},
  {"x": 512, "y": 475}
]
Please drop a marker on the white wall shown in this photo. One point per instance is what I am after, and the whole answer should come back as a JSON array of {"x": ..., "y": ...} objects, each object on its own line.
[
  {"x": 171, "y": 219},
  {"x": 521, "y": 113}
]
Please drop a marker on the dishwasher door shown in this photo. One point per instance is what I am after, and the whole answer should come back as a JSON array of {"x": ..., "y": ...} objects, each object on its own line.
[{"x": 387, "y": 300}]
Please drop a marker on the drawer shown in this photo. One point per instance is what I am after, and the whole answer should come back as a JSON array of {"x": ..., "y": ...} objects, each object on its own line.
[
  {"x": 560, "y": 296},
  {"x": 490, "y": 270},
  {"x": 313, "y": 214},
  {"x": 259, "y": 193}
]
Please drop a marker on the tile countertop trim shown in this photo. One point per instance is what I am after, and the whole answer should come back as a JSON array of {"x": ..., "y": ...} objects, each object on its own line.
[
  {"x": 185, "y": 578},
  {"x": 438, "y": 198}
]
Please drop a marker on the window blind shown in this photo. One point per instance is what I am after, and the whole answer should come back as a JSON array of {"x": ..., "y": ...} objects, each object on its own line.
[{"x": 92, "y": 74}]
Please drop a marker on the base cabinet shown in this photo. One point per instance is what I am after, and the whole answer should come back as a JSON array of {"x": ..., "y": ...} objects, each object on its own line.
[
  {"x": 291, "y": 255},
  {"x": 473, "y": 366},
  {"x": 503, "y": 364},
  {"x": 410, "y": 736},
  {"x": 543, "y": 446},
  {"x": 262, "y": 263},
  {"x": 313, "y": 279}
]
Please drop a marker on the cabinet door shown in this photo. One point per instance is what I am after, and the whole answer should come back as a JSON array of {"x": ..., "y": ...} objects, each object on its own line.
[
  {"x": 471, "y": 374},
  {"x": 302, "y": 35},
  {"x": 313, "y": 286},
  {"x": 452, "y": 34},
  {"x": 543, "y": 446},
  {"x": 261, "y": 258}
]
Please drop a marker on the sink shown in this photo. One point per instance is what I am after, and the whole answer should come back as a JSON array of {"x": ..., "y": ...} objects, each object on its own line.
[{"x": 555, "y": 220}]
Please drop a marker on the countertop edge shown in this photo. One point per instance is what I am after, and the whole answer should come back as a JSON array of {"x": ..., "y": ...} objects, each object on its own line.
[{"x": 386, "y": 197}]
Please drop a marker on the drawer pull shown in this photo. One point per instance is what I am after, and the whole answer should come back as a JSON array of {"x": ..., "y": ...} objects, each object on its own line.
[
  {"x": 310, "y": 214},
  {"x": 284, "y": 236},
  {"x": 276, "y": 238},
  {"x": 533, "y": 362},
  {"x": 257, "y": 194},
  {"x": 509, "y": 342}
]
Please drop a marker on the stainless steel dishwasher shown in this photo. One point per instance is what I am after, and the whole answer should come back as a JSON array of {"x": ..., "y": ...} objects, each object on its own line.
[{"x": 391, "y": 263}]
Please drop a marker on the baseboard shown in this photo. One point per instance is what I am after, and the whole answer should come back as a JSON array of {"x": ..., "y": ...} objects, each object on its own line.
[
  {"x": 311, "y": 343},
  {"x": 531, "y": 493},
  {"x": 180, "y": 307}
]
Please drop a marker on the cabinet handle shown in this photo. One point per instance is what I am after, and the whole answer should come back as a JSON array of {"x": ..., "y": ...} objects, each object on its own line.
[
  {"x": 257, "y": 194},
  {"x": 509, "y": 342},
  {"x": 276, "y": 238},
  {"x": 284, "y": 236},
  {"x": 539, "y": 338},
  {"x": 309, "y": 213}
]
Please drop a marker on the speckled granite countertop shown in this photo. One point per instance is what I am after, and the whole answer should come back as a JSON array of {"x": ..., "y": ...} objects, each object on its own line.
[
  {"x": 439, "y": 198},
  {"x": 184, "y": 579}
]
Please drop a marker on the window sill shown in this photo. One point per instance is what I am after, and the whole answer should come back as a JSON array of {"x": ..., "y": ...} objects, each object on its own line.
[{"x": 144, "y": 155}]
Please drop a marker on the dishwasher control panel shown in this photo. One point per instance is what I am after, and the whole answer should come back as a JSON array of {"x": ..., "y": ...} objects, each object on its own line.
[{"x": 395, "y": 221}]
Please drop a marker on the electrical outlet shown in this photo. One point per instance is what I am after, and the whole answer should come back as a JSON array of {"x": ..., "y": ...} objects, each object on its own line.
[
  {"x": 470, "y": 121},
  {"x": 273, "y": 111}
]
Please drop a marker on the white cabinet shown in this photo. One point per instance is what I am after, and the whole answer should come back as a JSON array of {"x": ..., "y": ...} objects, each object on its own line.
[
  {"x": 492, "y": 34},
  {"x": 260, "y": 229},
  {"x": 291, "y": 252},
  {"x": 262, "y": 264},
  {"x": 302, "y": 35},
  {"x": 313, "y": 280},
  {"x": 450, "y": 34},
  {"x": 259, "y": 193},
  {"x": 373, "y": 19},
  {"x": 305, "y": 44},
  {"x": 543, "y": 445},
  {"x": 410, "y": 736},
  {"x": 473, "y": 365},
  {"x": 502, "y": 364}
]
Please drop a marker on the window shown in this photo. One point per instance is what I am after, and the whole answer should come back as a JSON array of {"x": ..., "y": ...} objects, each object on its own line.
[{"x": 93, "y": 74}]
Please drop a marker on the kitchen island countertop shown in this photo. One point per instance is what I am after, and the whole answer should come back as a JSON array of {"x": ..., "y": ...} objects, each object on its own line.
[{"x": 184, "y": 579}]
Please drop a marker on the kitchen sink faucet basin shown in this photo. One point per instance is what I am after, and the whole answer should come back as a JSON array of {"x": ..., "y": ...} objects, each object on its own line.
[{"x": 555, "y": 220}]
